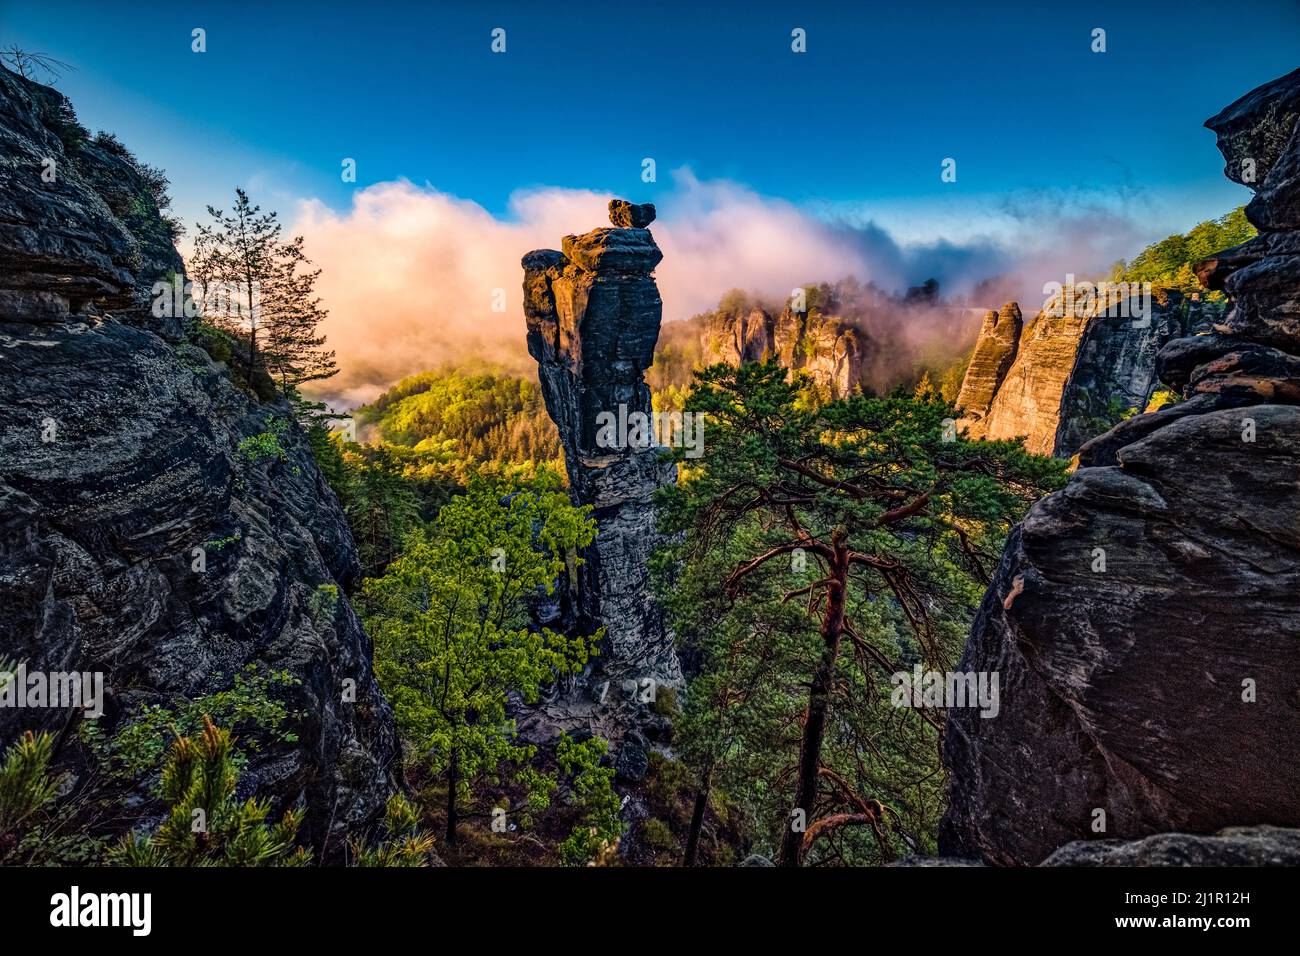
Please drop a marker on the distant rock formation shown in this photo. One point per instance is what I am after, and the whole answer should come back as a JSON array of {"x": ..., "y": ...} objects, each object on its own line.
[
  {"x": 593, "y": 314},
  {"x": 135, "y": 539},
  {"x": 994, "y": 352},
  {"x": 1068, "y": 374},
  {"x": 1144, "y": 621},
  {"x": 848, "y": 337}
]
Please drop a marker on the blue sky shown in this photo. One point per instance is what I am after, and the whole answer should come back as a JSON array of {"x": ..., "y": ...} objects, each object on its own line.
[{"x": 856, "y": 127}]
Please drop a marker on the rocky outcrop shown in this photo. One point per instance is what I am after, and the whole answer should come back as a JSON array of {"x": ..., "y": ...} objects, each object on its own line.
[
  {"x": 845, "y": 337},
  {"x": 995, "y": 350},
  {"x": 831, "y": 350},
  {"x": 593, "y": 314},
  {"x": 1078, "y": 367},
  {"x": 1144, "y": 620},
  {"x": 1114, "y": 372},
  {"x": 141, "y": 535},
  {"x": 1233, "y": 846}
]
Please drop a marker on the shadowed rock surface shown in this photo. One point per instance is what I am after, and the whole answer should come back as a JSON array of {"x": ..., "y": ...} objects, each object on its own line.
[
  {"x": 1144, "y": 620},
  {"x": 1234, "y": 846},
  {"x": 121, "y": 456},
  {"x": 593, "y": 314}
]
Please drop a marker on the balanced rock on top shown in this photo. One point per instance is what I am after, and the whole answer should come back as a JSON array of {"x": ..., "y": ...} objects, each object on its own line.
[{"x": 630, "y": 215}]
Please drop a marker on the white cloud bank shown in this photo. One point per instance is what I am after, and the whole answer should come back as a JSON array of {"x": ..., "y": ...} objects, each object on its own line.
[{"x": 409, "y": 273}]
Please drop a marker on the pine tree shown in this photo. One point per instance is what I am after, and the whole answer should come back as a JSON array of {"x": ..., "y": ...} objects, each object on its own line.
[
  {"x": 294, "y": 350},
  {"x": 257, "y": 286},
  {"x": 234, "y": 258},
  {"x": 26, "y": 785},
  {"x": 878, "y": 529},
  {"x": 925, "y": 388},
  {"x": 205, "y": 825},
  {"x": 404, "y": 843}
]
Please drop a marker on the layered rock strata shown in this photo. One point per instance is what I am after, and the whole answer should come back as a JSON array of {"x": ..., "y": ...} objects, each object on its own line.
[
  {"x": 1143, "y": 621},
  {"x": 139, "y": 538},
  {"x": 593, "y": 314}
]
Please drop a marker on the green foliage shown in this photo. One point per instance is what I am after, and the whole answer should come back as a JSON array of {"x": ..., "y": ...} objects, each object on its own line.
[
  {"x": 404, "y": 843},
  {"x": 217, "y": 342},
  {"x": 788, "y": 496},
  {"x": 323, "y": 603},
  {"x": 456, "y": 417},
  {"x": 1168, "y": 263},
  {"x": 265, "y": 445},
  {"x": 658, "y": 836},
  {"x": 26, "y": 786},
  {"x": 1162, "y": 398},
  {"x": 450, "y": 627},
  {"x": 248, "y": 706},
  {"x": 220, "y": 544},
  {"x": 381, "y": 499},
  {"x": 205, "y": 825},
  {"x": 276, "y": 323},
  {"x": 592, "y": 790}
]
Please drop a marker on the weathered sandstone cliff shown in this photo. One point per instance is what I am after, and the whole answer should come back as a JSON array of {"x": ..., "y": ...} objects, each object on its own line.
[
  {"x": 1069, "y": 373},
  {"x": 136, "y": 539},
  {"x": 846, "y": 337},
  {"x": 593, "y": 314},
  {"x": 1144, "y": 620}
]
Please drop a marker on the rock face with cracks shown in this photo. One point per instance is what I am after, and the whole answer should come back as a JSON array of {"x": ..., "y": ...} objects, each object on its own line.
[
  {"x": 1072, "y": 371},
  {"x": 139, "y": 537},
  {"x": 593, "y": 314},
  {"x": 1144, "y": 620}
]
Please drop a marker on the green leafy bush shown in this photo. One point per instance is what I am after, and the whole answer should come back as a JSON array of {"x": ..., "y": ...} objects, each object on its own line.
[
  {"x": 265, "y": 446},
  {"x": 249, "y": 705},
  {"x": 592, "y": 790}
]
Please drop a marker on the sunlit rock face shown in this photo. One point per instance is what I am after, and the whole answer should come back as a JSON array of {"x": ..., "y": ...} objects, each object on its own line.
[
  {"x": 995, "y": 351},
  {"x": 1072, "y": 371},
  {"x": 135, "y": 539},
  {"x": 1144, "y": 621},
  {"x": 831, "y": 350},
  {"x": 593, "y": 313}
]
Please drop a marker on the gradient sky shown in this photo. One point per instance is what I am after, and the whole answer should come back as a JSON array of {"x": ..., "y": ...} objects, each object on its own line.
[{"x": 856, "y": 127}]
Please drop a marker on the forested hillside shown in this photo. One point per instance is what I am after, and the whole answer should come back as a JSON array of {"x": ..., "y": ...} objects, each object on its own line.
[{"x": 1168, "y": 263}]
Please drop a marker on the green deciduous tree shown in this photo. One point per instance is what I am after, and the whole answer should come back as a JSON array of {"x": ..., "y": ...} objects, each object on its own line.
[
  {"x": 592, "y": 789},
  {"x": 451, "y": 632}
]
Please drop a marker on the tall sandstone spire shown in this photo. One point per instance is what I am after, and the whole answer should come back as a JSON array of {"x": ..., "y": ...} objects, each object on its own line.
[
  {"x": 1144, "y": 621},
  {"x": 593, "y": 313}
]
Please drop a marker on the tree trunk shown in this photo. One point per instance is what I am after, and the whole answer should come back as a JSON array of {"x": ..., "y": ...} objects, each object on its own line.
[
  {"x": 697, "y": 819},
  {"x": 814, "y": 725},
  {"x": 252, "y": 331},
  {"x": 453, "y": 778}
]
